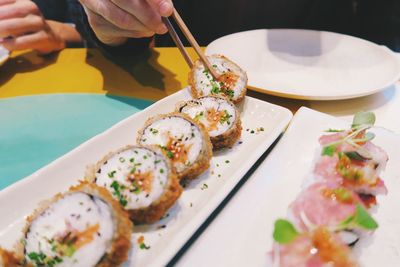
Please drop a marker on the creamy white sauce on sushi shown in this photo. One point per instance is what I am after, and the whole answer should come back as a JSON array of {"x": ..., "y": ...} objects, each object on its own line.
[
  {"x": 216, "y": 114},
  {"x": 76, "y": 230},
  {"x": 181, "y": 140},
  {"x": 136, "y": 177},
  {"x": 207, "y": 84}
]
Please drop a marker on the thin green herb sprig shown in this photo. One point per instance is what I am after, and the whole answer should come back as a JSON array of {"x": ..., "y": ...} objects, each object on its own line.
[{"x": 362, "y": 121}]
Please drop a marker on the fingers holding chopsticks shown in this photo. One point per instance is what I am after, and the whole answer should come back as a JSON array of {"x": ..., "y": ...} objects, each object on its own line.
[
  {"x": 163, "y": 7},
  {"x": 113, "y": 21}
]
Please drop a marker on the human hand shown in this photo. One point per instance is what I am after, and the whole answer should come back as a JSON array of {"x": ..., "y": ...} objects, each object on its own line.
[
  {"x": 22, "y": 26},
  {"x": 113, "y": 21}
]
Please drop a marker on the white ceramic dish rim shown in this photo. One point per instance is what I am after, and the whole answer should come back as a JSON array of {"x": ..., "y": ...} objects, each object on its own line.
[{"x": 322, "y": 97}]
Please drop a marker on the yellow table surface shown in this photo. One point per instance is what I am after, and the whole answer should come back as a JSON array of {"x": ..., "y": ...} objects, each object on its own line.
[
  {"x": 78, "y": 70},
  {"x": 75, "y": 94}
]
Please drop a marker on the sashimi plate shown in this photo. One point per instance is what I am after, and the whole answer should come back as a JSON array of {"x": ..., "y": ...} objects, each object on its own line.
[
  {"x": 262, "y": 124},
  {"x": 267, "y": 194}
]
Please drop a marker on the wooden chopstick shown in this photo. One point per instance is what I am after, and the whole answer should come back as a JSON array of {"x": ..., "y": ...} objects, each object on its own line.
[
  {"x": 194, "y": 43},
  {"x": 178, "y": 41}
]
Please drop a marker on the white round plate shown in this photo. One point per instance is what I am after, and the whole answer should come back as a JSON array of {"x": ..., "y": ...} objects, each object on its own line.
[
  {"x": 4, "y": 55},
  {"x": 313, "y": 65}
]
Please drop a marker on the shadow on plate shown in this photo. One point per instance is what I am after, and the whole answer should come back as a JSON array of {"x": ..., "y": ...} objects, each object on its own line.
[{"x": 305, "y": 51}]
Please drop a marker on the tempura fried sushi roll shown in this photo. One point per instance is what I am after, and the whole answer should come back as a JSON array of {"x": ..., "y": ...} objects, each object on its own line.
[
  {"x": 231, "y": 84},
  {"x": 83, "y": 227},
  {"x": 219, "y": 116},
  {"x": 142, "y": 179},
  {"x": 182, "y": 139},
  {"x": 318, "y": 248}
]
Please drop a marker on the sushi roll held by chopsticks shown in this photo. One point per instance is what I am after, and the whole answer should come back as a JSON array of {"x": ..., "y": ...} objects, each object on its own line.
[
  {"x": 219, "y": 116},
  {"x": 83, "y": 227},
  {"x": 232, "y": 82},
  {"x": 182, "y": 139},
  {"x": 142, "y": 179}
]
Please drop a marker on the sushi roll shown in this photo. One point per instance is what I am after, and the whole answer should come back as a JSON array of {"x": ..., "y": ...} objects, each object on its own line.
[
  {"x": 318, "y": 248},
  {"x": 182, "y": 139},
  {"x": 142, "y": 179},
  {"x": 330, "y": 205},
  {"x": 83, "y": 227},
  {"x": 352, "y": 163},
  {"x": 231, "y": 84},
  {"x": 219, "y": 116}
]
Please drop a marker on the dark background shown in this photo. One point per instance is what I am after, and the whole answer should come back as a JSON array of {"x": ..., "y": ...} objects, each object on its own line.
[{"x": 374, "y": 20}]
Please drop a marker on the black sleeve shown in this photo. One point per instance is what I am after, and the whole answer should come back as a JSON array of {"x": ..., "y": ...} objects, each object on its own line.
[
  {"x": 131, "y": 47},
  {"x": 53, "y": 9}
]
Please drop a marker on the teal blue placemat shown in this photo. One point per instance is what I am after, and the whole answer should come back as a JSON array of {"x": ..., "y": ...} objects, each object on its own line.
[{"x": 35, "y": 130}]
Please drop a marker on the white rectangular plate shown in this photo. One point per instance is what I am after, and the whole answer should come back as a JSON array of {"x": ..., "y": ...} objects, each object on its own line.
[
  {"x": 241, "y": 235},
  {"x": 197, "y": 202}
]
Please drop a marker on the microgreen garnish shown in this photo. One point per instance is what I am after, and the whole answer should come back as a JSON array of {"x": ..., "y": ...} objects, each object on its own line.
[
  {"x": 362, "y": 121},
  {"x": 284, "y": 231},
  {"x": 360, "y": 219},
  {"x": 330, "y": 130},
  {"x": 363, "y": 118},
  {"x": 328, "y": 150},
  {"x": 355, "y": 155},
  {"x": 161, "y": 170}
]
